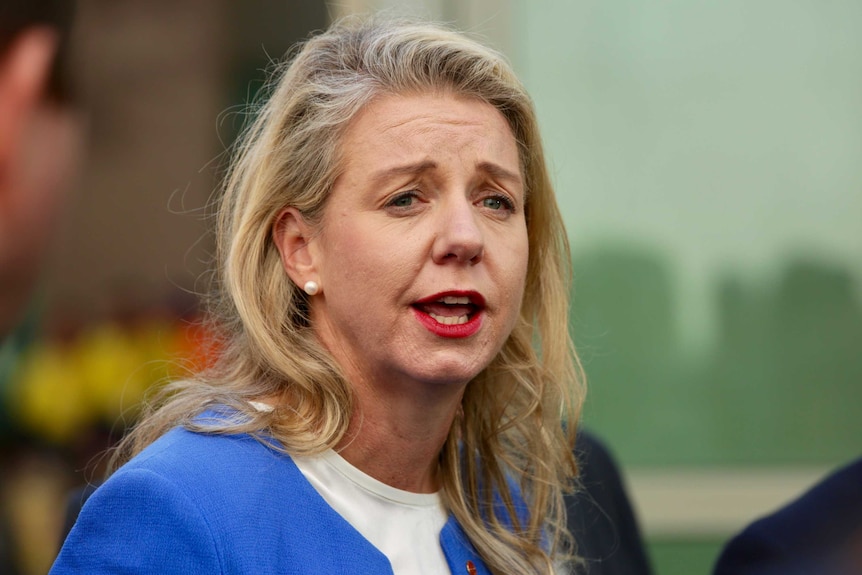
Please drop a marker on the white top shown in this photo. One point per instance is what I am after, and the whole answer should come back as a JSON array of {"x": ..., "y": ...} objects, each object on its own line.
[{"x": 404, "y": 526}]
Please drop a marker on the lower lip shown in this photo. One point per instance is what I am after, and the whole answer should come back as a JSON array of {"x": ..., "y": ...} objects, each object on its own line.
[{"x": 453, "y": 331}]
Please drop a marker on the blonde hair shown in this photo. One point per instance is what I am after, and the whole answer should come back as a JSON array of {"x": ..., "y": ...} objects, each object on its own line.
[{"x": 511, "y": 446}]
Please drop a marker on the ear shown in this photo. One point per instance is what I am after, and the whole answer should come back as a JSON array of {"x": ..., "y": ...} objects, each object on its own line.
[
  {"x": 23, "y": 75},
  {"x": 292, "y": 236}
]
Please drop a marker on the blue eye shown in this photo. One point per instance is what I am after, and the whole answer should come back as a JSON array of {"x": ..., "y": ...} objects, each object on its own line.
[
  {"x": 497, "y": 203},
  {"x": 403, "y": 201}
]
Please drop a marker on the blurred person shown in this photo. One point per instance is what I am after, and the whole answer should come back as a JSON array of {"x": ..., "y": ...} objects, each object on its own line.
[
  {"x": 39, "y": 143},
  {"x": 39, "y": 140},
  {"x": 818, "y": 533},
  {"x": 600, "y": 515},
  {"x": 395, "y": 367}
]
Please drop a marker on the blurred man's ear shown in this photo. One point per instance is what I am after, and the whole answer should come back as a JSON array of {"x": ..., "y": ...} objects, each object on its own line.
[
  {"x": 39, "y": 148},
  {"x": 24, "y": 69}
]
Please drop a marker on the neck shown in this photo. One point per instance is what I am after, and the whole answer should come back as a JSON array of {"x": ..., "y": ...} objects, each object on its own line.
[{"x": 396, "y": 433}]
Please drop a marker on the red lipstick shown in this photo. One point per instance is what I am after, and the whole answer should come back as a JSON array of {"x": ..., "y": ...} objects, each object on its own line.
[{"x": 451, "y": 314}]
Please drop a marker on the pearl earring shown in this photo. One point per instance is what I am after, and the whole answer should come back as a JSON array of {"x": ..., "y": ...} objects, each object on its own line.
[{"x": 311, "y": 287}]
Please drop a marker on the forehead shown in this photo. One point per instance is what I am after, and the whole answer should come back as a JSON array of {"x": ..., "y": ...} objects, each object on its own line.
[
  {"x": 407, "y": 105},
  {"x": 400, "y": 125}
]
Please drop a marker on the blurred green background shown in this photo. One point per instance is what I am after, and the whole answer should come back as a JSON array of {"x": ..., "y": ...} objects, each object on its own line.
[
  {"x": 707, "y": 161},
  {"x": 706, "y": 156}
]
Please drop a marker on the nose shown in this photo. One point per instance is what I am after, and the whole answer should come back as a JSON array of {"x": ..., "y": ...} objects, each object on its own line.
[{"x": 459, "y": 236}]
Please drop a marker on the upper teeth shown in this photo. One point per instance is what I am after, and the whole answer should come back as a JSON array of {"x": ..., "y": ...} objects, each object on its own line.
[
  {"x": 455, "y": 300},
  {"x": 450, "y": 320}
]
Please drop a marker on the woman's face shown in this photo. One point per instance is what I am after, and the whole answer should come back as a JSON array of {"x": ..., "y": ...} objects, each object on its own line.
[{"x": 422, "y": 252}]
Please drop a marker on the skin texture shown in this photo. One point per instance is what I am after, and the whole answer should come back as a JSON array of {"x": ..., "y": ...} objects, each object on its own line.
[
  {"x": 430, "y": 201},
  {"x": 39, "y": 148}
]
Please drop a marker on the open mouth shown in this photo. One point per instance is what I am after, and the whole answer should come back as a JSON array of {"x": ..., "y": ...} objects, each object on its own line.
[{"x": 451, "y": 308}]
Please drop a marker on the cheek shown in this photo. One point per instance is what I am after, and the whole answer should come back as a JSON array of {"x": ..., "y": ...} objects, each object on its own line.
[
  {"x": 366, "y": 259},
  {"x": 518, "y": 283},
  {"x": 519, "y": 254},
  {"x": 513, "y": 275}
]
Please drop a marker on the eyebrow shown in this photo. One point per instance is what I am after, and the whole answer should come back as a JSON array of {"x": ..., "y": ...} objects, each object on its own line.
[
  {"x": 494, "y": 170},
  {"x": 405, "y": 170},
  {"x": 500, "y": 173}
]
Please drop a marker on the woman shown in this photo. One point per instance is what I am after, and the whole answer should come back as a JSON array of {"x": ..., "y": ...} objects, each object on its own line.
[{"x": 396, "y": 363}]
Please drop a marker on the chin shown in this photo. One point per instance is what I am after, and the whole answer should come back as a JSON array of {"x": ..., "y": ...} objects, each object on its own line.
[{"x": 458, "y": 371}]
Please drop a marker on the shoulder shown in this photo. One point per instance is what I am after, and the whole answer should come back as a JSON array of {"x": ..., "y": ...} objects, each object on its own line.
[
  {"x": 205, "y": 503},
  {"x": 599, "y": 475},
  {"x": 821, "y": 528},
  {"x": 228, "y": 478},
  {"x": 179, "y": 507},
  {"x": 188, "y": 457},
  {"x": 133, "y": 514},
  {"x": 600, "y": 515}
]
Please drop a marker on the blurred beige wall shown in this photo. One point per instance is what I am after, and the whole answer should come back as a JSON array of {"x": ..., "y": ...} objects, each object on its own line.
[
  {"x": 162, "y": 86},
  {"x": 152, "y": 83},
  {"x": 490, "y": 20}
]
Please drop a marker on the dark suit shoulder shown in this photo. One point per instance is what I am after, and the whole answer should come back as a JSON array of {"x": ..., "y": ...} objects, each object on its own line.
[{"x": 820, "y": 532}]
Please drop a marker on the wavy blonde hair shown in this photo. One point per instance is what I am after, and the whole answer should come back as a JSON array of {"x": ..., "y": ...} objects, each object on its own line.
[{"x": 508, "y": 457}]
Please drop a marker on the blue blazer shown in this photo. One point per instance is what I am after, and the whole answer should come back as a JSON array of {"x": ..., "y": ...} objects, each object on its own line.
[{"x": 208, "y": 504}]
